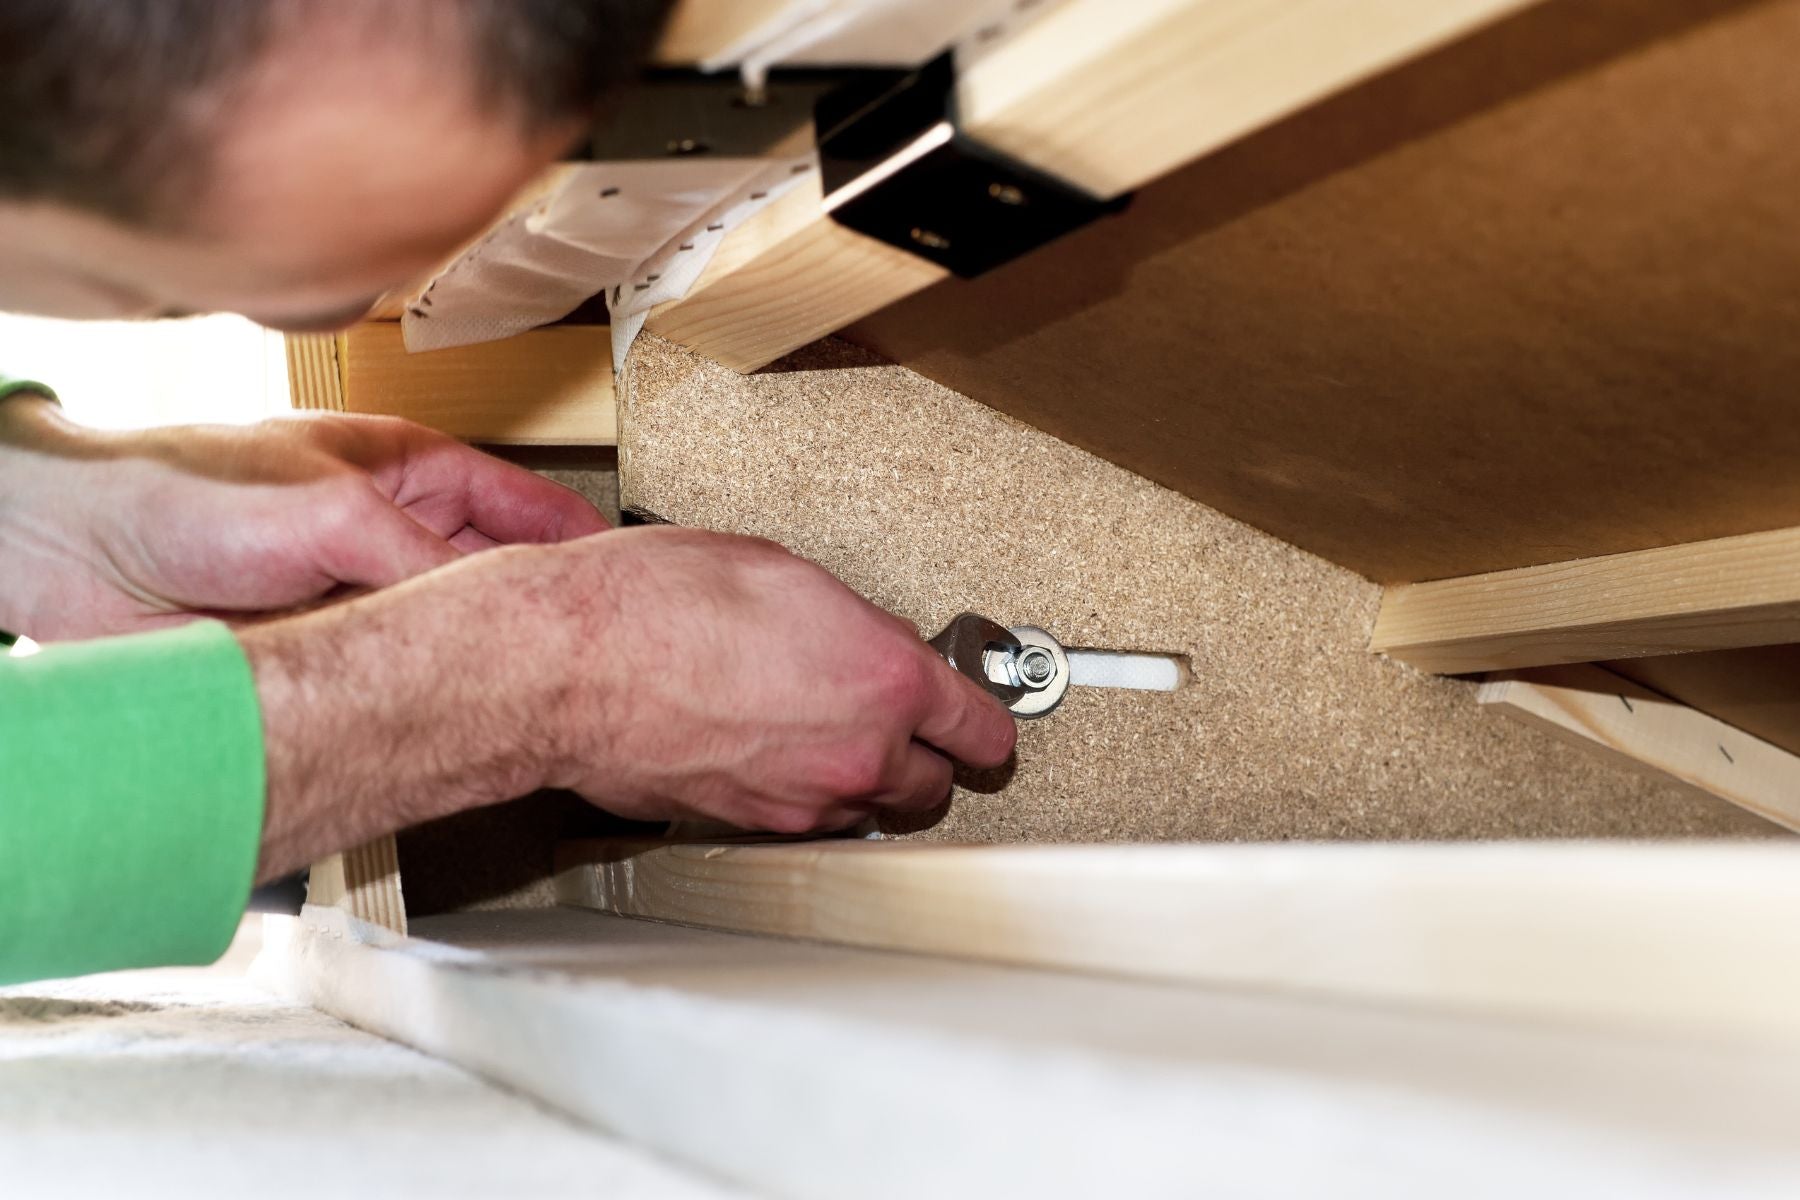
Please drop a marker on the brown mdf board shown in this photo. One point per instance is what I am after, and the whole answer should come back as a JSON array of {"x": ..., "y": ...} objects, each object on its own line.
[
  {"x": 929, "y": 504},
  {"x": 550, "y": 386},
  {"x": 1528, "y": 299}
]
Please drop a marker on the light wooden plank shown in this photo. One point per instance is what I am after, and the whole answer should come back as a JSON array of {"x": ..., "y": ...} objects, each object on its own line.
[
  {"x": 364, "y": 882},
  {"x": 699, "y": 30},
  {"x": 1754, "y": 688},
  {"x": 1634, "y": 934},
  {"x": 789, "y": 1068},
  {"x": 787, "y": 276},
  {"x": 315, "y": 378},
  {"x": 1735, "y": 591},
  {"x": 1642, "y": 729},
  {"x": 551, "y": 386},
  {"x": 1110, "y": 96}
]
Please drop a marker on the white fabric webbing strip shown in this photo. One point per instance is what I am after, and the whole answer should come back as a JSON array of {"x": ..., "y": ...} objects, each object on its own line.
[{"x": 1142, "y": 672}]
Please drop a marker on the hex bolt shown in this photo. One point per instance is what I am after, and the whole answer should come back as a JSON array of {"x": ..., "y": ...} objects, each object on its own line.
[{"x": 1036, "y": 666}]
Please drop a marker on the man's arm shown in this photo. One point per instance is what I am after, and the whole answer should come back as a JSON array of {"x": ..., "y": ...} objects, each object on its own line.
[{"x": 659, "y": 672}]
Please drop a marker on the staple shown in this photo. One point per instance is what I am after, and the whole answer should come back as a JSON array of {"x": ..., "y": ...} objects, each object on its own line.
[
  {"x": 759, "y": 195},
  {"x": 685, "y": 246},
  {"x": 1627, "y": 704},
  {"x": 714, "y": 228},
  {"x": 608, "y": 193},
  {"x": 1727, "y": 754}
]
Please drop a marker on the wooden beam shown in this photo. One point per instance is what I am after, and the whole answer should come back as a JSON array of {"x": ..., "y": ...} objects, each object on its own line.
[
  {"x": 550, "y": 386},
  {"x": 1735, "y": 591},
  {"x": 1754, "y": 688},
  {"x": 1446, "y": 925},
  {"x": 787, "y": 276},
  {"x": 315, "y": 371},
  {"x": 1646, "y": 731},
  {"x": 787, "y": 1068},
  {"x": 1106, "y": 96},
  {"x": 699, "y": 30},
  {"x": 364, "y": 882}
]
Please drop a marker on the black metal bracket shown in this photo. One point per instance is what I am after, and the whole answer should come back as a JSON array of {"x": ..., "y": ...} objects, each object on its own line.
[
  {"x": 684, "y": 114},
  {"x": 896, "y": 167}
]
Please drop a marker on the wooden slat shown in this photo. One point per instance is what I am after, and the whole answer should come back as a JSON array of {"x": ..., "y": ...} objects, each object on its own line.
[
  {"x": 364, "y": 882},
  {"x": 1107, "y": 96},
  {"x": 699, "y": 29},
  {"x": 315, "y": 379},
  {"x": 1523, "y": 928},
  {"x": 1757, "y": 688},
  {"x": 551, "y": 386},
  {"x": 787, "y": 276},
  {"x": 1736, "y": 591},
  {"x": 1639, "y": 728}
]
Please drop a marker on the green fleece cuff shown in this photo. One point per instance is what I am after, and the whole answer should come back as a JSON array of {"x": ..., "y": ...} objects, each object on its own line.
[
  {"x": 131, "y": 802},
  {"x": 12, "y": 387}
]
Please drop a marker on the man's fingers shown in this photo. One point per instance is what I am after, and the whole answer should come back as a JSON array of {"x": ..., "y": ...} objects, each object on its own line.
[
  {"x": 924, "y": 781},
  {"x": 468, "y": 541},
  {"x": 381, "y": 546},
  {"x": 962, "y": 720},
  {"x": 447, "y": 486}
]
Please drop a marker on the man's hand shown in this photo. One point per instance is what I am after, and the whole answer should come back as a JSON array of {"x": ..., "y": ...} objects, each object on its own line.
[
  {"x": 659, "y": 672},
  {"x": 119, "y": 532}
]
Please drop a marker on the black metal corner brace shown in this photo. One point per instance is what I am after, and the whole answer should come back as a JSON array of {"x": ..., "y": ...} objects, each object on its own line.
[{"x": 896, "y": 167}]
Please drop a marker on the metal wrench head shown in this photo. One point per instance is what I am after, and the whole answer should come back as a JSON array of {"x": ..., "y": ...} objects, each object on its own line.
[{"x": 989, "y": 653}]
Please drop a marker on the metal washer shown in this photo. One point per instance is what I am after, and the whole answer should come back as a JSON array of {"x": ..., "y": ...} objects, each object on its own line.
[{"x": 1043, "y": 701}]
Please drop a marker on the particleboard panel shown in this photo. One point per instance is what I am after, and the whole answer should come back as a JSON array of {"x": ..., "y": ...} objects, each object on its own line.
[
  {"x": 551, "y": 386},
  {"x": 1528, "y": 299},
  {"x": 1756, "y": 690},
  {"x": 1737, "y": 591},
  {"x": 1653, "y": 733},
  {"x": 930, "y": 503}
]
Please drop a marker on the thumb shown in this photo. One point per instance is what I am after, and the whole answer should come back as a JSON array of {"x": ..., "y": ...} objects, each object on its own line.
[{"x": 382, "y": 547}]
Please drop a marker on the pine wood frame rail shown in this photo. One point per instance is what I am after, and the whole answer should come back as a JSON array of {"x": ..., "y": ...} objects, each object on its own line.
[
  {"x": 1639, "y": 934},
  {"x": 1105, "y": 96},
  {"x": 545, "y": 387},
  {"x": 1733, "y": 591}
]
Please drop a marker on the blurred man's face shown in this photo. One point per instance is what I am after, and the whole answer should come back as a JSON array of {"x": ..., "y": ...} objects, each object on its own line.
[{"x": 343, "y": 170}]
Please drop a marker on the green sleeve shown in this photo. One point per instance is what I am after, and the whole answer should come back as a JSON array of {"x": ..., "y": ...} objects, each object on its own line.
[{"x": 131, "y": 802}]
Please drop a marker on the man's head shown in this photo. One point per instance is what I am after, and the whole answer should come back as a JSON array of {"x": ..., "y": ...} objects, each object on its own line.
[{"x": 287, "y": 159}]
